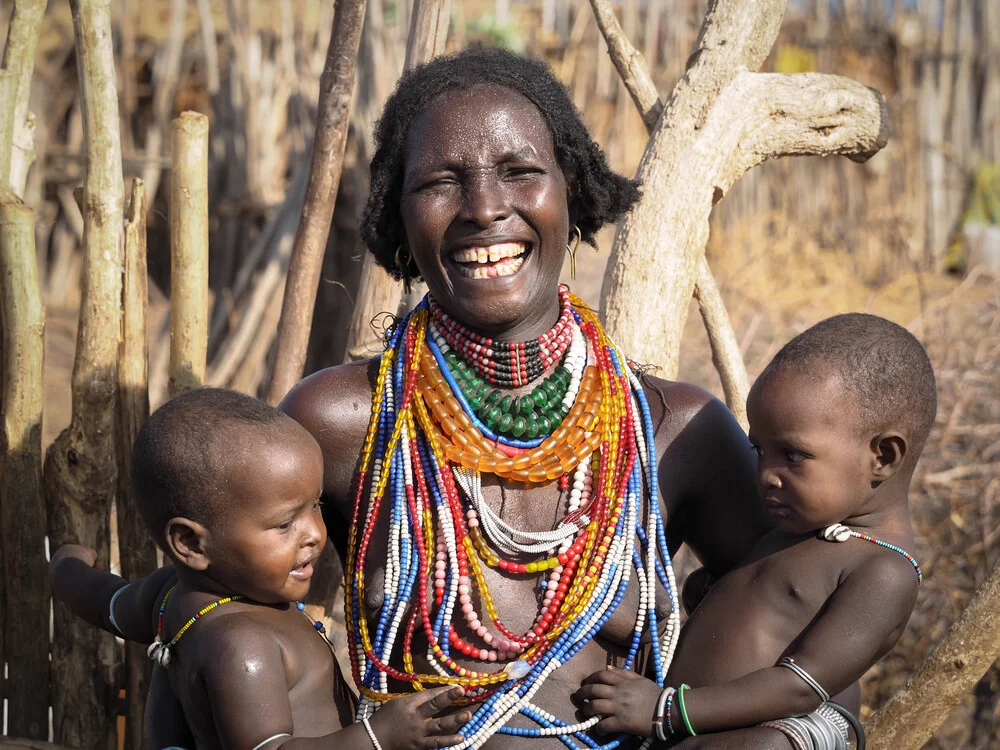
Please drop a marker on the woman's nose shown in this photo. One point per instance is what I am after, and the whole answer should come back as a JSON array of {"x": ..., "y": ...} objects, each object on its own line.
[
  {"x": 484, "y": 201},
  {"x": 769, "y": 478}
]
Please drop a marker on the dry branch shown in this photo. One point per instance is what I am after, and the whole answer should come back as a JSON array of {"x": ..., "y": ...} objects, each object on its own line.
[
  {"x": 166, "y": 73},
  {"x": 25, "y": 571},
  {"x": 725, "y": 348},
  {"x": 80, "y": 469},
  {"x": 378, "y": 292},
  {"x": 16, "y": 123},
  {"x": 188, "y": 252},
  {"x": 720, "y": 120},
  {"x": 336, "y": 90},
  {"x": 945, "y": 678},
  {"x": 137, "y": 552}
]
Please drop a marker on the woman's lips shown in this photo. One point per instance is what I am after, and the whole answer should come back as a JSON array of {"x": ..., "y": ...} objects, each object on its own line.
[
  {"x": 490, "y": 261},
  {"x": 776, "y": 509}
]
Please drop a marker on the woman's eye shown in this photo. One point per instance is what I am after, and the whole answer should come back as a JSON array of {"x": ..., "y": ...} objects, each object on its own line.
[
  {"x": 284, "y": 526},
  {"x": 317, "y": 505},
  {"x": 795, "y": 457},
  {"x": 756, "y": 449}
]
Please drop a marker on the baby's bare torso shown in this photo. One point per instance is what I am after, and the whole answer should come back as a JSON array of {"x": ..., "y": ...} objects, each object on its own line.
[
  {"x": 756, "y": 611},
  {"x": 307, "y": 660}
]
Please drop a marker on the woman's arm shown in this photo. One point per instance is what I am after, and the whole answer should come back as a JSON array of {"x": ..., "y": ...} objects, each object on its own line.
[
  {"x": 89, "y": 593},
  {"x": 707, "y": 475}
]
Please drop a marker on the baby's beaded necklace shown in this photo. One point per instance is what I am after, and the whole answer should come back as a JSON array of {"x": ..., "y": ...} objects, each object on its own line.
[
  {"x": 426, "y": 442},
  {"x": 160, "y": 652}
]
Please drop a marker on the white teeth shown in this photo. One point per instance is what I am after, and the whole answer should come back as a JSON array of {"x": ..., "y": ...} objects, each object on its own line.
[
  {"x": 503, "y": 267},
  {"x": 491, "y": 254}
]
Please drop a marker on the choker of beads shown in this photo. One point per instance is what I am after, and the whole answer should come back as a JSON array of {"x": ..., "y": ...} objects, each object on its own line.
[
  {"x": 429, "y": 441},
  {"x": 508, "y": 364}
]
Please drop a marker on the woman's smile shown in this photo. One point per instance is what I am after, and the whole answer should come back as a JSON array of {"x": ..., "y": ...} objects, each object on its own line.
[{"x": 485, "y": 208}]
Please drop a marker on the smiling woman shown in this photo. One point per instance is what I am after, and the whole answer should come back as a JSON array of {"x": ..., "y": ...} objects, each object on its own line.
[{"x": 505, "y": 489}]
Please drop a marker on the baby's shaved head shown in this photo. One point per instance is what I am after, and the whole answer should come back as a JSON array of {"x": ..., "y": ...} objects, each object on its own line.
[
  {"x": 183, "y": 458},
  {"x": 884, "y": 369}
]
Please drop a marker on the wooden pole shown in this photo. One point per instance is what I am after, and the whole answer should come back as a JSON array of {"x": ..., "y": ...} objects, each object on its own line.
[
  {"x": 80, "y": 469},
  {"x": 16, "y": 123},
  {"x": 188, "y": 252},
  {"x": 336, "y": 88},
  {"x": 25, "y": 570},
  {"x": 971, "y": 645},
  {"x": 137, "y": 552},
  {"x": 725, "y": 348},
  {"x": 378, "y": 291},
  {"x": 720, "y": 121}
]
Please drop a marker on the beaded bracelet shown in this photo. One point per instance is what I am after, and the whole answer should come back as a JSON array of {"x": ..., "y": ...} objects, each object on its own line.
[
  {"x": 680, "y": 705},
  {"x": 663, "y": 706}
]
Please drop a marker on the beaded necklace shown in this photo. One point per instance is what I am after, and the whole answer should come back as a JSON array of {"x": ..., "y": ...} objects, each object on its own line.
[
  {"x": 420, "y": 468},
  {"x": 838, "y": 532},
  {"x": 159, "y": 651}
]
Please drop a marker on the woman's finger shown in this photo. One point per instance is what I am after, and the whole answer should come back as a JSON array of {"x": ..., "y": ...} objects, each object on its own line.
[
  {"x": 433, "y": 743},
  {"x": 450, "y": 723},
  {"x": 599, "y": 708},
  {"x": 593, "y": 692},
  {"x": 439, "y": 699},
  {"x": 605, "y": 677}
]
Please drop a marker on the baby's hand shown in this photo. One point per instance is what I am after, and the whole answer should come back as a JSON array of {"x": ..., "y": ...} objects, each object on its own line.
[
  {"x": 409, "y": 723},
  {"x": 625, "y": 701},
  {"x": 75, "y": 552}
]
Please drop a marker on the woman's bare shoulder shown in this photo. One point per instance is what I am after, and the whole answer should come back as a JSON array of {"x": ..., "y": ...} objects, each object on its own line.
[
  {"x": 676, "y": 406},
  {"x": 334, "y": 405}
]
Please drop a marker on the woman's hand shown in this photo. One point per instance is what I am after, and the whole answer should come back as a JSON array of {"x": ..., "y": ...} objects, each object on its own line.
[
  {"x": 411, "y": 723},
  {"x": 625, "y": 701}
]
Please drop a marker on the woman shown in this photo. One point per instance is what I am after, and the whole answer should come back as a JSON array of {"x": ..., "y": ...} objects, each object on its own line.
[
  {"x": 489, "y": 469},
  {"x": 482, "y": 175}
]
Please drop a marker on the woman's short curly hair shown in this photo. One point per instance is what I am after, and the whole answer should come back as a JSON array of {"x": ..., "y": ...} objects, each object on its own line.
[{"x": 599, "y": 194}]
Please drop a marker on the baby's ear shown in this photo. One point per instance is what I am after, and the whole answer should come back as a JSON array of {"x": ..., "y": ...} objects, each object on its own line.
[
  {"x": 185, "y": 541},
  {"x": 888, "y": 455}
]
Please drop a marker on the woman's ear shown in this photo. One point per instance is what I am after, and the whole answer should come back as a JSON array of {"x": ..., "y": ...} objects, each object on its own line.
[
  {"x": 186, "y": 542},
  {"x": 888, "y": 455}
]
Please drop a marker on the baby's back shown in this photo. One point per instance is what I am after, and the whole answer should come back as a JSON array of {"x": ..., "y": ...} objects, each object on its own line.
[
  {"x": 218, "y": 666},
  {"x": 754, "y": 612}
]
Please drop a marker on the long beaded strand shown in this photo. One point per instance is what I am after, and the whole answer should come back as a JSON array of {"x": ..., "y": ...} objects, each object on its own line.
[{"x": 421, "y": 434}]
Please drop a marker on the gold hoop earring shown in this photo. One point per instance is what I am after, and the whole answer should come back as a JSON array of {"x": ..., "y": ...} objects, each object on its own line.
[
  {"x": 571, "y": 248},
  {"x": 402, "y": 266}
]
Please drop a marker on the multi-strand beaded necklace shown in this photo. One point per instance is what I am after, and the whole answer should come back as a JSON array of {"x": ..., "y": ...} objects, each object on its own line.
[{"x": 437, "y": 425}]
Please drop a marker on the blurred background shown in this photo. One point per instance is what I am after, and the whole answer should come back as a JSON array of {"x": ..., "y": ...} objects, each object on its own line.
[{"x": 912, "y": 235}]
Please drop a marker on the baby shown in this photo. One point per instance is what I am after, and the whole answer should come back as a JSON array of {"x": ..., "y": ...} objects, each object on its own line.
[
  {"x": 837, "y": 420},
  {"x": 229, "y": 488}
]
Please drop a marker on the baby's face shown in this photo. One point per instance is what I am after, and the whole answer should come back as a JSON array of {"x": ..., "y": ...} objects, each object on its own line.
[
  {"x": 813, "y": 465},
  {"x": 266, "y": 546}
]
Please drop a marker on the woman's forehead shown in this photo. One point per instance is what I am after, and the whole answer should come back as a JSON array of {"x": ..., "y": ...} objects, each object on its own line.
[{"x": 483, "y": 122}]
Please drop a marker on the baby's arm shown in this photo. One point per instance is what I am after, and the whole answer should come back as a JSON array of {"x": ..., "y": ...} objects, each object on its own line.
[
  {"x": 248, "y": 693},
  {"x": 88, "y": 593},
  {"x": 861, "y": 621}
]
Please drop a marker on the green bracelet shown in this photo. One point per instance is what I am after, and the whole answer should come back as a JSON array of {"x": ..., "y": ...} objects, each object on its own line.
[{"x": 683, "y": 710}]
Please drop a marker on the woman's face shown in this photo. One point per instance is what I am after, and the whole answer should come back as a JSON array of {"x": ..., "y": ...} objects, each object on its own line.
[{"x": 485, "y": 209}]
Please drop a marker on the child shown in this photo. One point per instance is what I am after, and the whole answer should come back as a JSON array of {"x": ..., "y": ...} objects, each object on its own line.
[
  {"x": 838, "y": 420},
  {"x": 229, "y": 488}
]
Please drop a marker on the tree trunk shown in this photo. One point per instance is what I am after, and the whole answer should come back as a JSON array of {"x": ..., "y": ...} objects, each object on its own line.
[
  {"x": 17, "y": 125},
  {"x": 336, "y": 90},
  {"x": 720, "y": 121},
  {"x": 80, "y": 470},
  {"x": 188, "y": 252},
  {"x": 137, "y": 552},
  {"x": 25, "y": 618},
  {"x": 378, "y": 291}
]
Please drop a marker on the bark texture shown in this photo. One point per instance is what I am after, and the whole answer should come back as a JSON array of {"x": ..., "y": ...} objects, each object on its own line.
[
  {"x": 378, "y": 292},
  {"x": 947, "y": 676},
  {"x": 137, "y": 552},
  {"x": 188, "y": 252},
  {"x": 336, "y": 91},
  {"x": 725, "y": 348},
  {"x": 80, "y": 472},
  {"x": 720, "y": 120},
  {"x": 25, "y": 614},
  {"x": 17, "y": 124}
]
